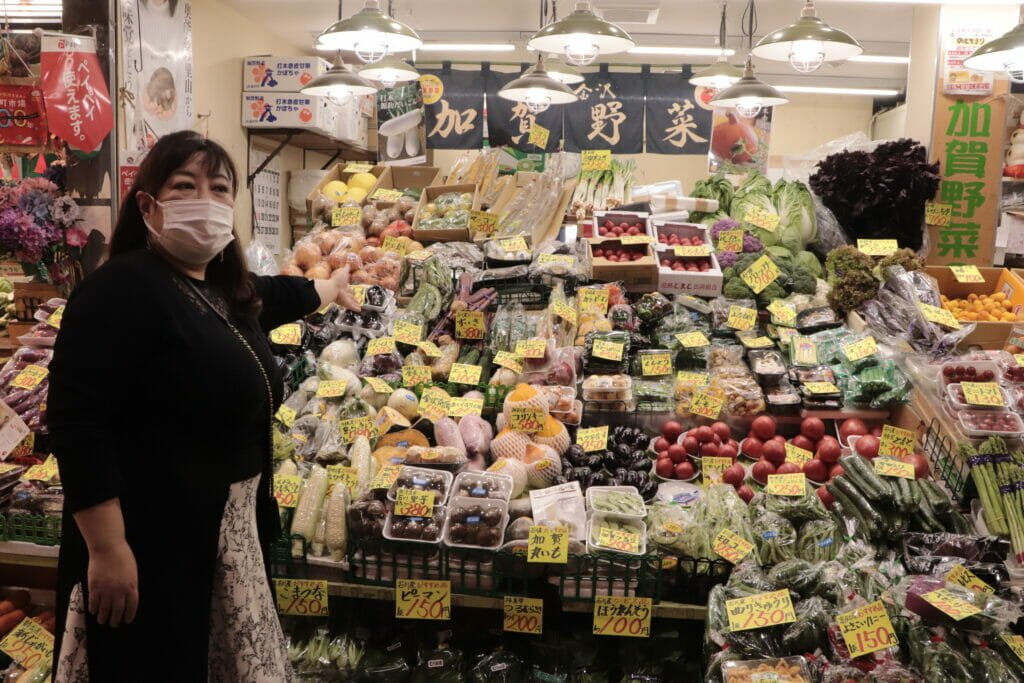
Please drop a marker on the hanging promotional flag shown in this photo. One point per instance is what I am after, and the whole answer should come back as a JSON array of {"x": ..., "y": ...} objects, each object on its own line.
[
  {"x": 678, "y": 115},
  {"x": 401, "y": 137},
  {"x": 608, "y": 115},
  {"x": 454, "y": 104},
  {"x": 739, "y": 144},
  {"x": 509, "y": 123},
  {"x": 22, "y": 116},
  {"x": 75, "y": 91}
]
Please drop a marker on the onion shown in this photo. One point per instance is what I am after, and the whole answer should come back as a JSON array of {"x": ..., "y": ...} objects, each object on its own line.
[
  {"x": 320, "y": 271},
  {"x": 307, "y": 255}
]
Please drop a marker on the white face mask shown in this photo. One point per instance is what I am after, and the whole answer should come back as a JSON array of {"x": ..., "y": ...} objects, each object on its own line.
[{"x": 195, "y": 230}]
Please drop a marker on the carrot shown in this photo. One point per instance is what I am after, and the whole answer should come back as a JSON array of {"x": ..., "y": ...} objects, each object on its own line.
[
  {"x": 16, "y": 600},
  {"x": 10, "y": 620}
]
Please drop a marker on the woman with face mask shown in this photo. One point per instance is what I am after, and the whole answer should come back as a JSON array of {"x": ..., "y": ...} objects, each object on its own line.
[{"x": 162, "y": 391}]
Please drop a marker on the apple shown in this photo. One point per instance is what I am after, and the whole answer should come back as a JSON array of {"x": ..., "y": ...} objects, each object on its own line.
[
  {"x": 745, "y": 493},
  {"x": 671, "y": 430},
  {"x": 752, "y": 446},
  {"x": 690, "y": 445},
  {"x": 722, "y": 430},
  {"x": 813, "y": 428},
  {"x": 828, "y": 450},
  {"x": 775, "y": 452},
  {"x": 763, "y": 427},
  {"x": 727, "y": 450},
  {"x": 661, "y": 444},
  {"x": 704, "y": 434}
]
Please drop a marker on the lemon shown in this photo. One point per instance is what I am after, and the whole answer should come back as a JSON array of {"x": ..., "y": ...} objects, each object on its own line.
[
  {"x": 335, "y": 190},
  {"x": 364, "y": 181},
  {"x": 354, "y": 194}
]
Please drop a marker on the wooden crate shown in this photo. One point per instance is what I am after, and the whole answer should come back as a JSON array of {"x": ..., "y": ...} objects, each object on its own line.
[{"x": 28, "y": 296}]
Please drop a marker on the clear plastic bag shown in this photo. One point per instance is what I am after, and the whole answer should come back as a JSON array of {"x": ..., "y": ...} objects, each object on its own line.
[{"x": 776, "y": 537}]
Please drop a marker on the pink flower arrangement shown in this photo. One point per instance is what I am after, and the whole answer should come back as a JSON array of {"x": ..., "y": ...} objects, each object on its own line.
[{"x": 37, "y": 228}]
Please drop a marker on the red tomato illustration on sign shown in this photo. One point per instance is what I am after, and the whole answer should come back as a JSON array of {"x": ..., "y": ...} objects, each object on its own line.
[{"x": 306, "y": 115}]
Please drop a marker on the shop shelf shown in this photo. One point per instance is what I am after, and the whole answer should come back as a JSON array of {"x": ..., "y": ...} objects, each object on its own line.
[
  {"x": 585, "y": 577},
  {"x": 939, "y": 449},
  {"x": 690, "y": 579},
  {"x": 39, "y": 529}
]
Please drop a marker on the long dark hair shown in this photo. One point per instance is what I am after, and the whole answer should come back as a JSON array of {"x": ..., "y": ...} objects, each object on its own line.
[{"x": 230, "y": 275}]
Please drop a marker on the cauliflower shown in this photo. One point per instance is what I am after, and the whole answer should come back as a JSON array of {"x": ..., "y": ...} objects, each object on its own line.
[{"x": 726, "y": 258}]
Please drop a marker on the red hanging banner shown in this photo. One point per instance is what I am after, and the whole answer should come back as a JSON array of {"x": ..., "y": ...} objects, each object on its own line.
[
  {"x": 22, "y": 117},
  {"x": 75, "y": 91}
]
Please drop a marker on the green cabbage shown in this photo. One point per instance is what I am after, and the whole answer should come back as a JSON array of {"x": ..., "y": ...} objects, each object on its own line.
[
  {"x": 742, "y": 204},
  {"x": 716, "y": 187},
  {"x": 796, "y": 209},
  {"x": 808, "y": 261}
]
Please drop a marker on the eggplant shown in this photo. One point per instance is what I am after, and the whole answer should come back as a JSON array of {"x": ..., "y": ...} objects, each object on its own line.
[
  {"x": 597, "y": 479},
  {"x": 623, "y": 451},
  {"x": 611, "y": 461},
  {"x": 641, "y": 464},
  {"x": 580, "y": 474},
  {"x": 642, "y": 441},
  {"x": 647, "y": 489},
  {"x": 560, "y": 479},
  {"x": 594, "y": 461},
  {"x": 616, "y": 435},
  {"x": 576, "y": 455}
]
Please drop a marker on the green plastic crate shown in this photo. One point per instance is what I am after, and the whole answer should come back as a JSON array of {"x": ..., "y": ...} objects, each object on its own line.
[{"x": 39, "y": 529}]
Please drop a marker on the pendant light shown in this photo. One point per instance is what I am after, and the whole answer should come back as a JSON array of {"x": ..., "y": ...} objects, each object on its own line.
[
  {"x": 370, "y": 33},
  {"x": 808, "y": 43},
  {"x": 721, "y": 74},
  {"x": 1005, "y": 53},
  {"x": 749, "y": 95},
  {"x": 563, "y": 73},
  {"x": 339, "y": 83},
  {"x": 537, "y": 89},
  {"x": 581, "y": 37},
  {"x": 389, "y": 72}
]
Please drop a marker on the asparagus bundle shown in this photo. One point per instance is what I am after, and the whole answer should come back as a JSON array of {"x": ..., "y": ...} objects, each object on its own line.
[{"x": 984, "y": 476}]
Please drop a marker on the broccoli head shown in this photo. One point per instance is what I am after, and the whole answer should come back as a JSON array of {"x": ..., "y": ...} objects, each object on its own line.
[
  {"x": 770, "y": 293},
  {"x": 729, "y": 273},
  {"x": 744, "y": 261},
  {"x": 737, "y": 289},
  {"x": 802, "y": 281}
]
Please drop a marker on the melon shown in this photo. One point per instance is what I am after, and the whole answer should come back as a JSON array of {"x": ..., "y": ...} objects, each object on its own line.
[
  {"x": 555, "y": 435},
  {"x": 515, "y": 469},
  {"x": 354, "y": 194},
  {"x": 405, "y": 402},
  {"x": 363, "y": 181},
  {"x": 525, "y": 395},
  {"x": 541, "y": 474},
  {"x": 335, "y": 190},
  {"x": 509, "y": 444}
]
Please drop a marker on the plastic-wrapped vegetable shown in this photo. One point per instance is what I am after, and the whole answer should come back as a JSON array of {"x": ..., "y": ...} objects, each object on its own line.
[
  {"x": 666, "y": 524},
  {"x": 795, "y": 574},
  {"x": 776, "y": 537},
  {"x": 442, "y": 664},
  {"x": 994, "y": 616},
  {"x": 819, "y": 540},
  {"x": 500, "y": 666},
  {"x": 307, "y": 511},
  {"x": 797, "y": 509},
  {"x": 810, "y": 630}
]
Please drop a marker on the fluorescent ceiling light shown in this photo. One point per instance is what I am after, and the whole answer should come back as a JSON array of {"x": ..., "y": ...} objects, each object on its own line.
[
  {"x": 880, "y": 59},
  {"x": 666, "y": 50},
  {"x": 874, "y": 92},
  {"x": 468, "y": 47}
]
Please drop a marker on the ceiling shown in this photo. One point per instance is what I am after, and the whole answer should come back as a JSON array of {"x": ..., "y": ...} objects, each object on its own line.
[{"x": 882, "y": 28}]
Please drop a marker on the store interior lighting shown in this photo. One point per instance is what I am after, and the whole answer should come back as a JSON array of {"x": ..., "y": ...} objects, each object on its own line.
[
  {"x": 370, "y": 34},
  {"x": 581, "y": 37},
  {"x": 1003, "y": 54},
  {"x": 808, "y": 43}
]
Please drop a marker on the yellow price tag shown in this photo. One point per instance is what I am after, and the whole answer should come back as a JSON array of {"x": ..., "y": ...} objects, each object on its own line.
[
  {"x": 860, "y": 349},
  {"x": 1016, "y": 643},
  {"x": 346, "y": 215},
  {"x": 616, "y": 539},
  {"x": 513, "y": 244},
  {"x": 731, "y": 240},
  {"x": 564, "y": 311},
  {"x": 429, "y": 349},
  {"x": 548, "y": 544},
  {"x": 539, "y": 136},
  {"x": 593, "y": 300},
  {"x": 797, "y": 455},
  {"x": 693, "y": 339},
  {"x": 967, "y": 274},
  {"x": 463, "y": 373},
  {"x": 608, "y": 350},
  {"x": 938, "y": 214},
  {"x": 939, "y": 316},
  {"x": 483, "y": 222},
  {"x": 526, "y": 419},
  {"x": 531, "y": 348},
  {"x": 741, "y": 318},
  {"x": 731, "y": 546},
  {"x": 821, "y": 387},
  {"x": 415, "y": 374},
  {"x": 409, "y": 503},
  {"x": 346, "y": 476},
  {"x": 762, "y": 219},
  {"x": 620, "y": 616},
  {"x": 433, "y": 404},
  {"x": 555, "y": 258},
  {"x": 56, "y": 318},
  {"x": 285, "y": 416},
  {"x": 301, "y": 597},
  {"x": 523, "y": 615},
  {"x": 356, "y": 167},
  {"x": 896, "y": 442},
  {"x": 331, "y": 388},
  {"x": 592, "y": 438},
  {"x": 691, "y": 378},
  {"x": 866, "y": 629},
  {"x": 760, "y": 611},
  {"x": 380, "y": 346},
  {"x": 706, "y": 405},
  {"x": 386, "y": 195},
  {"x": 27, "y": 446},
  {"x": 787, "y": 484},
  {"x": 359, "y": 293},
  {"x": 45, "y": 472},
  {"x": 470, "y": 325},
  {"x": 655, "y": 364},
  {"x": 30, "y": 377},
  {"x": 965, "y": 577},
  {"x": 461, "y": 407},
  {"x": 378, "y": 385},
  {"x": 712, "y": 467},
  {"x": 286, "y": 489},
  {"x": 782, "y": 312},
  {"x": 760, "y": 274},
  {"x": 28, "y": 644},
  {"x": 508, "y": 360},
  {"x": 419, "y": 255},
  {"x": 421, "y": 599},
  {"x": 690, "y": 251},
  {"x": 877, "y": 247},
  {"x": 982, "y": 393},
  {"x": 386, "y": 476},
  {"x": 357, "y": 426},
  {"x": 407, "y": 333},
  {"x": 637, "y": 239},
  {"x": 756, "y": 342},
  {"x": 949, "y": 603},
  {"x": 887, "y": 467},
  {"x": 395, "y": 245},
  {"x": 596, "y": 159}
]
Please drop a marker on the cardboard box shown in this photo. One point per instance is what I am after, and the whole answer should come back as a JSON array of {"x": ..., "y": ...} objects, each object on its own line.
[
  {"x": 288, "y": 110},
  {"x": 670, "y": 281},
  {"x": 401, "y": 177},
  {"x": 351, "y": 125},
  {"x": 987, "y": 335},
  {"x": 429, "y": 195},
  {"x": 683, "y": 230},
  {"x": 281, "y": 74},
  {"x": 637, "y": 276},
  {"x": 338, "y": 172},
  {"x": 590, "y": 228}
]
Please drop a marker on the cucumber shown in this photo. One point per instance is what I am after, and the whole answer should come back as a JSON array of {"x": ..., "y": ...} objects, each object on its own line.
[
  {"x": 850, "y": 511},
  {"x": 933, "y": 493},
  {"x": 915, "y": 492},
  {"x": 859, "y": 500},
  {"x": 865, "y": 479},
  {"x": 486, "y": 367}
]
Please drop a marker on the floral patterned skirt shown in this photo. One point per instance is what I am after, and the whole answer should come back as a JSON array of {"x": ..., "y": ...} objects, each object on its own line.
[{"x": 246, "y": 641}]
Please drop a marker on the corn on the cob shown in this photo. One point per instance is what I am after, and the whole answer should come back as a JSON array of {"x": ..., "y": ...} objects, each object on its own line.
[
  {"x": 307, "y": 511},
  {"x": 360, "y": 457},
  {"x": 320, "y": 535},
  {"x": 337, "y": 524}
]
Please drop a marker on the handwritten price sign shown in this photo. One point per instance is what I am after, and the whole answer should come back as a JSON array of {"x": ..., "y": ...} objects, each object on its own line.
[
  {"x": 593, "y": 300},
  {"x": 286, "y": 489},
  {"x": 953, "y": 606},
  {"x": 760, "y": 611},
  {"x": 616, "y": 539},
  {"x": 706, "y": 405},
  {"x": 939, "y": 316},
  {"x": 608, "y": 350},
  {"x": 386, "y": 195},
  {"x": 730, "y": 546},
  {"x": 408, "y": 333},
  {"x": 896, "y": 442},
  {"x": 693, "y": 339},
  {"x": 28, "y": 644},
  {"x": 731, "y": 240},
  {"x": 523, "y": 615},
  {"x": 877, "y": 247},
  {"x": 508, "y": 360},
  {"x": 30, "y": 377},
  {"x": 938, "y": 214},
  {"x": 377, "y": 347},
  {"x": 592, "y": 438},
  {"x": 346, "y": 476},
  {"x": 301, "y": 597},
  {"x": 331, "y": 388},
  {"x": 860, "y": 349},
  {"x": 887, "y": 467},
  {"x": 691, "y": 378},
  {"x": 419, "y": 599},
  {"x": 967, "y": 274},
  {"x": 463, "y": 373},
  {"x": 56, "y": 318},
  {"x": 787, "y": 484},
  {"x": 654, "y": 364},
  {"x": 691, "y": 252},
  {"x": 285, "y": 416},
  {"x": 596, "y": 159},
  {"x": 564, "y": 311},
  {"x": 409, "y": 503},
  {"x": 712, "y": 468},
  {"x": 394, "y": 244},
  {"x": 434, "y": 404},
  {"x": 413, "y": 375},
  {"x": 461, "y": 407},
  {"x": 752, "y": 342},
  {"x": 760, "y": 274},
  {"x": 378, "y": 385},
  {"x": 982, "y": 393},
  {"x": 547, "y": 544},
  {"x": 430, "y": 349},
  {"x": 385, "y": 477},
  {"x": 782, "y": 312},
  {"x": 1016, "y": 644},
  {"x": 797, "y": 455},
  {"x": 821, "y": 387},
  {"x": 470, "y": 325},
  {"x": 346, "y": 215},
  {"x": 741, "y": 318},
  {"x": 531, "y": 348},
  {"x": 512, "y": 245},
  {"x": 762, "y": 219},
  {"x": 867, "y": 629},
  {"x": 620, "y": 616},
  {"x": 539, "y": 136},
  {"x": 564, "y": 259},
  {"x": 483, "y": 222},
  {"x": 639, "y": 239},
  {"x": 359, "y": 426},
  {"x": 965, "y": 577},
  {"x": 526, "y": 419}
]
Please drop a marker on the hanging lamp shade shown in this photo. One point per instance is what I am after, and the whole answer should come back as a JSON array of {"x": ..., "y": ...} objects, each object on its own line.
[
  {"x": 808, "y": 43},
  {"x": 389, "y": 71},
  {"x": 581, "y": 37},
  {"x": 370, "y": 33},
  {"x": 563, "y": 73},
  {"x": 1005, "y": 53},
  {"x": 340, "y": 83},
  {"x": 720, "y": 75},
  {"x": 749, "y": 95},
  {"x": 537, "y": 89}
]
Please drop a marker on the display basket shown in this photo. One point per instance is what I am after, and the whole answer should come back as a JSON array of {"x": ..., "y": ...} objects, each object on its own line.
[
  {"x": 532, "y": 295},
  {"x": 585, "y": 577},
  {"x": 940, "y": 451},
  {"x": 39, "y": 529},
  {"x": 29, "y": 296},
  {"x": 381, "y": 562},
  {"x": 489, "y": 572},
  {"x": 690, "y": 579}
]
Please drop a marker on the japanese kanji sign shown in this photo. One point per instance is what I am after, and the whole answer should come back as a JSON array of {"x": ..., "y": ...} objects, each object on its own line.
[
  {"x": 608, "y": 115},
  {"x": 455, "y": 119},
  {"x": 22, "y": 116},
  {"x": 510, "y": 123},
  {"x": 676, "y": 122},
  {"x": 75, "y": 91}
]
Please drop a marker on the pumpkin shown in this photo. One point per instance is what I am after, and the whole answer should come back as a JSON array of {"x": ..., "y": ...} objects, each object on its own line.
[
  {"x": 554, "y": 434},
  {"x": 509, "y": 444},
  {"x": 524, "y": 395}
]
